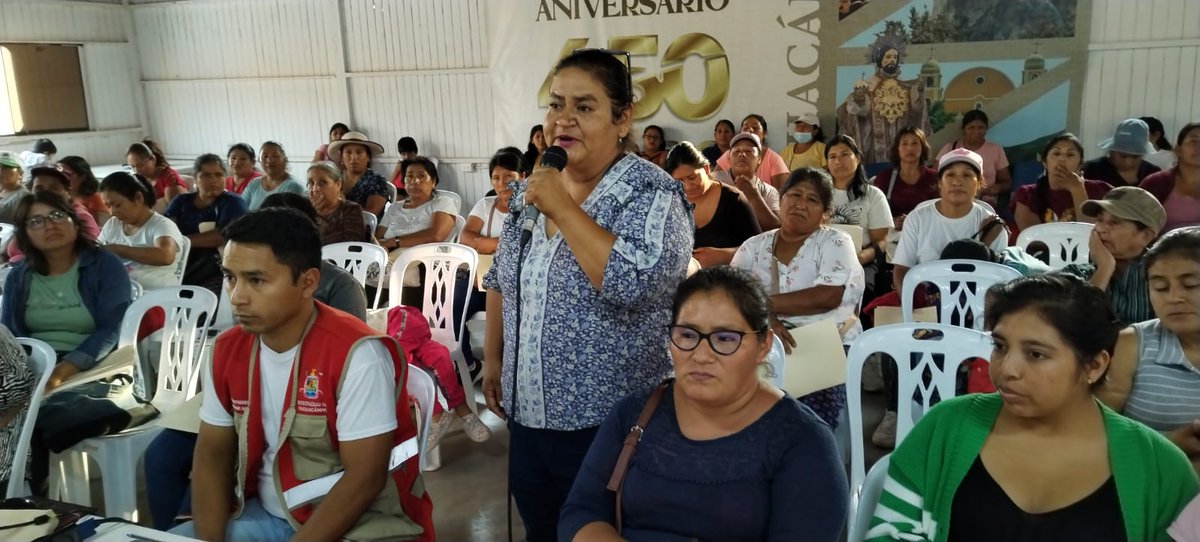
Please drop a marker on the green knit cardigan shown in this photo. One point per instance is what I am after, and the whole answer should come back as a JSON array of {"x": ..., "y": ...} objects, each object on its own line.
[{"x": 1154, "y": 478}]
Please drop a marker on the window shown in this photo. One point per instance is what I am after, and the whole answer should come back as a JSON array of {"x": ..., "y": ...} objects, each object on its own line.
[{"x": 41, "y": 89}]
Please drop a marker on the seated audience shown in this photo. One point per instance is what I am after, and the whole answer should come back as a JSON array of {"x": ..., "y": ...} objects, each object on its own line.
[
  {"x": 723, "y": 216},
  {"x": 997, "y": 467},
  {"x": 85, "y": 187},
  {"x": 168, "y": 459},
  {"x": 66, "y": 291},
  {"x": 17, "y": 379},
  {"x": 1127, "y": 221},
  {"x": 724, "y": 455},
  {"x": 338, "y": 220},
  {"x": 1178, "y": 188},
  {"x": 909, "y": 182},
  {"x": 722, "y": 136},
  {"x": 241, "y": 162},
  {"x": 1123, "y": 165},
  {"x": 745, "y": 153},
  {"x": 1060, "y": 192},
  {"x": 811, "y": 272},
  {"x": 273, "y": 261},
  {"x": 51, "y": 179},
  {"x": 533, "y": 150},
  {"x": 807, "y": 148},
  {"x": 771, "y": 168},
  {"x": 407, "y": 149},
  {"x": 1155, "y": 373},
  {"x": 276, "y": 178},
  {"x": 955, "y": 215},
  {"x": 40, "y": 155},
  {"x": 12, "y": 189},
  {"x": 149, "y": 243},
  {"x": 423, "y": 217},
  {"x": 360, "y": 183},
  {"x": 654, "y": 142},
  {"x": 335, "y": 133},
  {"x": 997, "y": 181},
  {"x": 1163, "y": 157},
  {"x": 147, "y": 159},
  {"x": 857, "y": 202},
  {"x": 482, "y": 230},
  {"x": 201, "y": 215}
]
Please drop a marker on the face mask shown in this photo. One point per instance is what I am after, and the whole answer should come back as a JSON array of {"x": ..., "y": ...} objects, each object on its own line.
[{"x": 802, "y": 137}]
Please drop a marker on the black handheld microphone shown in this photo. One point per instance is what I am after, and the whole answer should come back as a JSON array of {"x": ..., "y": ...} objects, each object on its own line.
[{"x": 555, "y": 157}]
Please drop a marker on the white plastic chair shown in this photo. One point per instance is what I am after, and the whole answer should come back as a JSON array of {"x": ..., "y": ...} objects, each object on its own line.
[
  {"x": 178, "y": 368},
  {"x": 1068, "y": 241},
  {"x": 371, "y": 221},
  {"x": 357, "y": 259},
  {"x": 459, "y": 223},
  {"x": 7, "y": 231},
  {"x": 935, "y": 356},
  {"x": 185, "y": 248},
  {"x": 868, "y": 500},
  {"x": 453, "y": 196},
  {"x": 135, "y": 290},
  {"x": 442, "y": 262},
  {"x": 423, "y": 390},
  {"x": 41, "y": 359},
  {"x": 962, "y": 285}
]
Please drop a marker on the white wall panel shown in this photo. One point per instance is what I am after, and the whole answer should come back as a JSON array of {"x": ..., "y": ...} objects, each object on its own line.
[
  {"x": 62, "y": 22},
  {"x": 1144, "y": 20},
  {"x": 450, "y": 115},
  {"x": 112, "y": 91},
  {"x": 396, "y": 35},
  {"x": 99, "y": 148},
  {"x": 236, "y": 39},
  {"x": 194, "y": 117}
]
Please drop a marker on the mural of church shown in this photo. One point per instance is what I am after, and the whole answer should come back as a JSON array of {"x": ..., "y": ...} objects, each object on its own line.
[{"x": 976, "y": 87}]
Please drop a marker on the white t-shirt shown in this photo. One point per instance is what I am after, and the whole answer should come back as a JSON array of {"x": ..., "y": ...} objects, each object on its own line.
[
  {"x": 871, "y": 211},
  {"x": 493, "y": 219},
  {"x": 769, "y": 193},
  {"x": 401, "y": 221},
  {"x": 927, "y": 232},
  {"x": 827, "y": 258},
  {"x": 157, "y": 226},
  {"x": 366, "y": 405}
]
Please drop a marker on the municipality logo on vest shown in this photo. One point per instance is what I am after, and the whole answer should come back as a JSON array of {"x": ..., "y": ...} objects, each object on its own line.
[{"x": 311, "y": 390}]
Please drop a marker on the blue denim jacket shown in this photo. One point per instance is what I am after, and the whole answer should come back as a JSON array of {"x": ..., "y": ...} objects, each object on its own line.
[{"x": 104, "y": 286}]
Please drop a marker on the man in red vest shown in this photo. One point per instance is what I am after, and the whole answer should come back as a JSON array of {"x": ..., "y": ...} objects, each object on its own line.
[{"x": 304, "y": 405}]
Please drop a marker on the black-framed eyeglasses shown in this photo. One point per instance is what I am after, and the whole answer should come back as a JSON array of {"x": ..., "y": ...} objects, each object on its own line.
[
  {"x": 38, "y": 222},
  {"x": 616, "y": 52},
  {"x": 724, "y": 342}
]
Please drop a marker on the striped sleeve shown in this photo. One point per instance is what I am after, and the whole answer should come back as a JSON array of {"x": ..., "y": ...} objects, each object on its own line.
[{"x": 901, "y": 512}]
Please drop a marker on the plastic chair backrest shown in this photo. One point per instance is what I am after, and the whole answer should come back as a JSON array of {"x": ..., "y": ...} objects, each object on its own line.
[
  {"x": 868, "y": 499},
  {"x": 421, "y": 389},
  {"x": 853, "y": 230},
  {"x": 459, "y": 222},
  {"x": 224, "y": 315},
  {"x": 454, "y": 196},
  {"x": 776, "y": 361},
  {"x": 371, "y": 221},
  {"x": 41, "y": 359},
  {"x": 962, "y": 285},
  {"x": 927, "y": 358},
  {"x": 188, "y": 309},
  {"x": 135, "y": 290},
  {"x": 185, "y": 248},
  {"x": 190, "y": 181},
  {"x": 1067, "y": 241},
  {"x": 357, "y": 259},
  {"x": 442, "y": 262},
  {"x": 7, "y": 231}
]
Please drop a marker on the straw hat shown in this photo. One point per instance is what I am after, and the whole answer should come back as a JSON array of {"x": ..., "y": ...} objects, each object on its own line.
[{"x": 355, "y": 138}]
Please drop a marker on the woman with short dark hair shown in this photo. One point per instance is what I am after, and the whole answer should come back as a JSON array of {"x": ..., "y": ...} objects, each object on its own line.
[
  {"x": 1058, "y": 195},
  {"x": 997, "y": 181},
  {"x": 148, "y": 160},
  {"x": 200, "y": 216},
  {"x": 241, "y": 164},
  {"x": 723, "y": 216},
  {"x": 149, "y": 243},
  {"x": 85, "y": 188}
]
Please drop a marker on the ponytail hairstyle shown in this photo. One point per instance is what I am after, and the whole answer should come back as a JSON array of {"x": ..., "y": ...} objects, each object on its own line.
[
  {"x": 130, "y": 186},
  {"x": 147, "y": 148}
]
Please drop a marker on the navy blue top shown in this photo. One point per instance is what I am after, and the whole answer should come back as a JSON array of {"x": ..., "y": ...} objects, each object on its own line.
[{"x": 780, "y": 478}]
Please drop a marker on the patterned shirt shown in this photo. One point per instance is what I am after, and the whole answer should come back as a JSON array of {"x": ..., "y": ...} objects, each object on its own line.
[
  {"x": 1166, "y": 386},
  {"x": 17, "y": 380},
  {"x": 370, "y": 184},
  {"x": 583, "y": 349},
  {"x": 1128, "y": 290}
]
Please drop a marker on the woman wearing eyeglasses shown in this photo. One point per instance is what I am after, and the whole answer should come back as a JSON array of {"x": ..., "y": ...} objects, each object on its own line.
[
  {"x": 811, "y": 272},
  {"x": 724, "y": 455},
  {"x": 66, "y": 291}
]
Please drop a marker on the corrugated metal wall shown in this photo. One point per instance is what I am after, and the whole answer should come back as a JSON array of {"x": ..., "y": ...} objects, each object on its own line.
[
  {"x": 1144, "y": 59},
  {"x": 108, "y": 64}
]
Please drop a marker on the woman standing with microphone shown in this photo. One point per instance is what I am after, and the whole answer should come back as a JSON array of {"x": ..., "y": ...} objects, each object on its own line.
[{"x": 576, "y": 315}]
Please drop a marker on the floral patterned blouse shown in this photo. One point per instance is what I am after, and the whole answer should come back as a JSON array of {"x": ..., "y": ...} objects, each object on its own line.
[
  {"x": 583, "y": 349},
  {"x": 370, "y": 184}
]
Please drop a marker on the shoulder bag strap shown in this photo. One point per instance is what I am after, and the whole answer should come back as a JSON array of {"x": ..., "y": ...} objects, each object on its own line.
[
  {"x": 892, "y": 183},
  {"x": 617, "y": 480}
]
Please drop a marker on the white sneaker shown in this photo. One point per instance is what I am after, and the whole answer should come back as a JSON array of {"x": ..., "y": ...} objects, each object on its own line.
[
  {"x": 885, "y": 435},
  {"x": 438, "y": 429},
  {"x": 872, "y": 375},
  {"x": 475, "y": 429}
]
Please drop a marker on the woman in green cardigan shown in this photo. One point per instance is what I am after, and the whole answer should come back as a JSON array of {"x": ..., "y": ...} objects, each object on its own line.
[{"x": 1041, "y": 459}]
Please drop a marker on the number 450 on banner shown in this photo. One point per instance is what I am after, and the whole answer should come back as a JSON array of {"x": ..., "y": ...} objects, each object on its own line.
[{"x": 667, "y": 86}]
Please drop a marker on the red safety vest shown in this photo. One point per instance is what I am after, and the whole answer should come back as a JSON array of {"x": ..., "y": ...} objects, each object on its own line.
[{"x": 308, "y": 431}]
